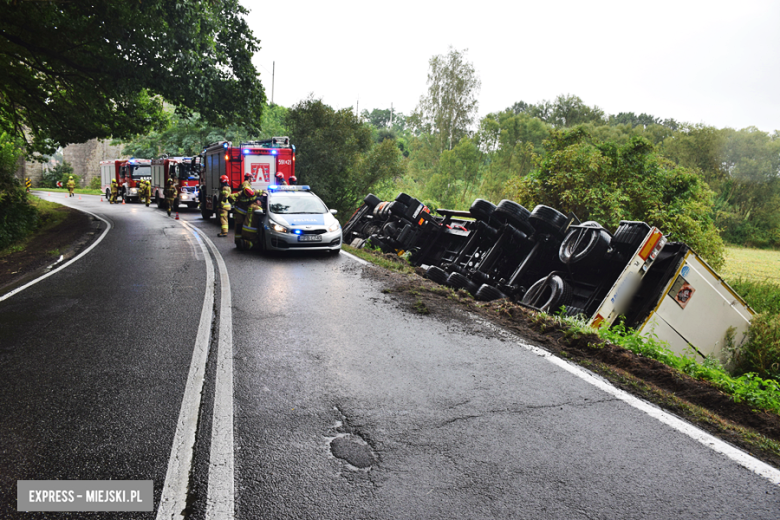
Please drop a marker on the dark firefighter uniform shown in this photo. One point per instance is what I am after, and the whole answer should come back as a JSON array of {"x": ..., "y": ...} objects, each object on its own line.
[
  {"x": 114, "y": 191},
  {"x": 170, "y": 195},
  {"x": 146, "y": 192},
  {"x": 251, "y": 224},
  {"x": 225, "y": 195},
  {"x": 71, "y": 186},
  {"x": 243, "y": 199}
]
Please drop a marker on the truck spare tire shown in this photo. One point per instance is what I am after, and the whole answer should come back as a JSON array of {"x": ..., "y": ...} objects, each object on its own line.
[{"x": 548, "y": 294}]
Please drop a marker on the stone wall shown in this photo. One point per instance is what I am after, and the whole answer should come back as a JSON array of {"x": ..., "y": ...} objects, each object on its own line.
[{"x": 85, "y": 157}]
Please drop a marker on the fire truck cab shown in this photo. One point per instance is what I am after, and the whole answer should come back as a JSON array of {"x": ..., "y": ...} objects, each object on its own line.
[
  {"x": 130, "y": 174},
  {"x": 262, "y": 160},
  {"x": 185, "y": 172}
]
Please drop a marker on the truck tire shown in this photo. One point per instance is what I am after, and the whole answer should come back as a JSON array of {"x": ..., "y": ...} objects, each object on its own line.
[
  {"x": 205, "y": 213},
  {"x": 482, "y": 210},
  {"x": 488, "y": 293},
  {"x": 398, "y": 209},
  {"x": 548, "y": 221},
  {"x": 403, "y": 198},
  {"x": 371, "y": 200},
  {"x": 548, "y": 294},
  {"x": 436, "y": 274},
  {"x": 108, "y": 195},
  {"x": 458, "y": 281},
  {"x": 629, "y": 235},
  {"x": 509, "y": 211},
  {"x": 584, "y": 246}
]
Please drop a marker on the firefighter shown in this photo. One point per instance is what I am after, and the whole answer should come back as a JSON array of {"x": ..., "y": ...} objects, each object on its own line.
[
  {"x": 293, "y": 180},
  {"x": 146, "y": 191},
  {"x": 225, "y": 195},
  {"x": 71, "y": 186},
  {"x": 280, "y": 179},
  {"x": 247, "y": 181},
  {"x": 170, "y": 195},
  {"x": 249, "y": 228},
  {"x": 114, "y": 191},
  {"x": 243, "y": 199}
]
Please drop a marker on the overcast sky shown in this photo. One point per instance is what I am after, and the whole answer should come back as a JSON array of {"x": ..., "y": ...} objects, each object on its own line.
[{"x": 710, "y": 62}]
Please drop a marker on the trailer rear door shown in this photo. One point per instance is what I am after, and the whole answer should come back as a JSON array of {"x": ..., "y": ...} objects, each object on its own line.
[{"x": 262, "y": 168}]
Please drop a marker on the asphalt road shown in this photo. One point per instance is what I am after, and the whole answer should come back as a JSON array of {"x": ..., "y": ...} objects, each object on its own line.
[{"x": 340, "y": 402}]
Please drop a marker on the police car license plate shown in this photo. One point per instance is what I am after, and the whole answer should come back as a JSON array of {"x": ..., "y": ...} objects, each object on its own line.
[{"x": 310, "y": 238}]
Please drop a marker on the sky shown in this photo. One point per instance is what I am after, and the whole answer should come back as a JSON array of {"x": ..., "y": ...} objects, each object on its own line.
[{"x": 702, "y": 62}]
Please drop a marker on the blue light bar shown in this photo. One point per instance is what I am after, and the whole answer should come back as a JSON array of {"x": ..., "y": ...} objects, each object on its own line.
[
  {"x": 246, "y": 151},
  {"x": 224, "y": 145},
  {"x": 274, "y": 152}
]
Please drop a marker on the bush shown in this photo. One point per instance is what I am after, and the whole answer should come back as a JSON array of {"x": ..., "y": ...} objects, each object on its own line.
[
  {"x": 17, "y": 216},
  {"x": 94, "y": 184},
  {"x": 761, "y": 353},
  {"x": 60, "y": 173}
]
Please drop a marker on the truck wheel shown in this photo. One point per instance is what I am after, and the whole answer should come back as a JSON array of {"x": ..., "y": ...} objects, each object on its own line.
[
  {"x": 482, "y": 210},
  {"x": 585, "y": 246},
  {"x": 403, "y": 198},
  {"x": 371, "y": 200},
  {"x": 108, "y": 195},
  {"x": 398, "y": 209},
  {"x": 176, "y": 205},
  {"x": 205, "y": 213},
  {"x": 548, "y": 294},
  {"x": 548, "y": 220},
  {"x": 513, "y": 213},
  {"x": 458, "y": 281},
  {"x": 629, "y": 235},
  {"x": 488, "y": 293},
  {"x": 436, "y": 274}
]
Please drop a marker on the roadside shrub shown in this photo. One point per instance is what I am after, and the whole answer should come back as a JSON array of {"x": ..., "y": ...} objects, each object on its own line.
[
  {"x": 94, "y": 184},
  {"x": 60, "y": 173},
  {"x": 761, "y": 352},
  {"x": 763, "y": 296},
  {"x": 17, "y": 216}
]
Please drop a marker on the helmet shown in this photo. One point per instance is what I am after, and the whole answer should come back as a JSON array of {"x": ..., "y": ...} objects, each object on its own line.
[
  {"x": 113, "y": 181},
  {"x": 293, "y": 178},
  {"x": 224, "y": 179},
  {"x": 249, "y": 192},
  {"x": 170, "y": 181},
  {"x": 279, "y": 175},
  {"x": 247, "y": 175},
  {"x": 71, "y": 177}
]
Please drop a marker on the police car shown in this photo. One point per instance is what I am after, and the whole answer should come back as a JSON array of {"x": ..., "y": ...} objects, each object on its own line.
[{"x": 296, "y": 218}]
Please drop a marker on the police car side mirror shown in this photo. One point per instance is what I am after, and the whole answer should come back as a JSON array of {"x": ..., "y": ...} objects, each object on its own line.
[{"x": 334, "y": 211}]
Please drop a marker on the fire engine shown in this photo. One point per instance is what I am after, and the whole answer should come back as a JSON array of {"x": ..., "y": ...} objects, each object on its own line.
[
  {"x": 127, "y": 174},
  {"x": 263, "y": 160},
  {"x": 185, "y": 172}
]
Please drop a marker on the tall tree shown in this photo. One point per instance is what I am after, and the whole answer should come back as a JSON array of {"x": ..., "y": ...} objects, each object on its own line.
[
  {"x": 450, "y": 106},
  {"x": 82, "y": 69}
]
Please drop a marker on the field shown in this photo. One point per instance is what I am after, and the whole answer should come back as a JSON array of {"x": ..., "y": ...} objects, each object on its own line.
[{"x": 751, "y": 264}]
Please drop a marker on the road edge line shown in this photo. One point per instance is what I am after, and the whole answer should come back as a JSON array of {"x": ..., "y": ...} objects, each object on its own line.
[
  {"x": 69, "y": 262},
  {"x": 173, "y": 499},
  {"x": 220, "y": 498}
]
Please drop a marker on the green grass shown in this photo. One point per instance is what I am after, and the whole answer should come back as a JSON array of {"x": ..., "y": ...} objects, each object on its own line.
[
  {"x": 49, "y": 215},
  {"x": 83, "y": 191},
  {"x": 751, "y": 264},
  {"x": 376, "y": 257}
]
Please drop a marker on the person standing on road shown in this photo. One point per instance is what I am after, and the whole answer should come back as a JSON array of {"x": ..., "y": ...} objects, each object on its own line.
[
  {"x": 146, "y": 191},
  {"x": 243, "y": 199},
  {"x": 114, "y": 191},
  {"x": 170, "y": 195},
  {"x": 225, "y": 195},
  {"x": 71, "y": 186},
  {"x": 249, "y": 228}
]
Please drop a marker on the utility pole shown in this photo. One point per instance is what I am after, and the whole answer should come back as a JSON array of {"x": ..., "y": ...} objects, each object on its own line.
[
  {"x": 391, "y": 115},
  {"x": 273, "y": 77}
]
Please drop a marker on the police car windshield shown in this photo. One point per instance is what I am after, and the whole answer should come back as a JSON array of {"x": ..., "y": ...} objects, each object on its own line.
[
  {"x": 287, "y": 204},
  {"x": 141, "y": 171}
]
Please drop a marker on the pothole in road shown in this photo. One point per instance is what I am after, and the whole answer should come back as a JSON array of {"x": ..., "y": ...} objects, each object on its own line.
[{"x": 352, "y": 449}]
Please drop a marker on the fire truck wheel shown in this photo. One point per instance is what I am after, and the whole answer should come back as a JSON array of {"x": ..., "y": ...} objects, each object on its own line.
[
  {"x": 513, "y": 213},
  {"x": 548, "y": 294},
  {"x": 482, "y": 210},
  {"x": 108, "y": 194},
  {"x": 403, "y": 198},
  {"x": 488, "y": 293},
  {"x": 436, "y": 274},
  {"x": 458, "y": 281},
  {"x": 371, "y": 200},
  {"x": 205, "y": 213},
  {"x": 584, "y": 246},
  {"x": 548, "y": 220}
]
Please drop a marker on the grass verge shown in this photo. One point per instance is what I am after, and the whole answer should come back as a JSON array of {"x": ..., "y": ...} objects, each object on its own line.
[
  {"x": 50, "y": 214},
  {"x": 83, "y": 191}
]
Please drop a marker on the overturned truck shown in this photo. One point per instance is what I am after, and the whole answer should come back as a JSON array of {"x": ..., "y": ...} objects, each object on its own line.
[{"x": 550, "y": 261}]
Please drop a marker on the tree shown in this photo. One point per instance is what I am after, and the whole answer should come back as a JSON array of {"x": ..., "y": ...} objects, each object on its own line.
[
  {"x": 608, "y": 183},
  {"x": 77, "y": 70},
  {"x": 336, "y": 156},
  {"x": 450, "y": 106}
]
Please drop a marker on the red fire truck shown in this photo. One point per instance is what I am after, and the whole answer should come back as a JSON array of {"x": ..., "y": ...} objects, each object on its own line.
[
  {"x": 127, "y": 174},
  {"x": 263, "y": 160},
  {"x": 185, "y": 172}
]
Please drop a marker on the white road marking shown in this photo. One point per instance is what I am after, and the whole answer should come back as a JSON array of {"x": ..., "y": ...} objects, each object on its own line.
[
  {"x": 174, "y": 494},
  {"x": 220, "y": 501},
  {"x": 355, "y": 258},
  {"x": 66, "y": 264},
  {"x": 740, "y": 457}
]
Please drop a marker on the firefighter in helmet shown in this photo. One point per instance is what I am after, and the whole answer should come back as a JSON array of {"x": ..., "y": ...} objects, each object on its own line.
[
  {"x": 71, "y": 186},
  {"x": 243, "y": 199},
  {"x": 225, "y": 195},
  {"x": 247, "y": 181},
  {"x": 252, "y": 223},
  {"x": 293, "y": 180},
  {"x": 146, "y": 191},
  {"x": 170, "y": 195},
  {"x": 280, "y": 179},
  {"x": 114, "y": 191}
]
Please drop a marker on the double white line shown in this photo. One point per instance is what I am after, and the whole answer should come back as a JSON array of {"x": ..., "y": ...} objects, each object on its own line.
[{"x": 220, "y": 498}]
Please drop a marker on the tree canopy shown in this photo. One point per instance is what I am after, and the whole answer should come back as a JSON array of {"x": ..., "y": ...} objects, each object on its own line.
[{"x": 83, "y": 69}]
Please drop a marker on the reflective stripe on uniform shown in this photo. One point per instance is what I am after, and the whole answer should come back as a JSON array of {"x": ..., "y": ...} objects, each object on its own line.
[
  {"x": 251, "y": 229},
  {"x": 240, "y": 210}
]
